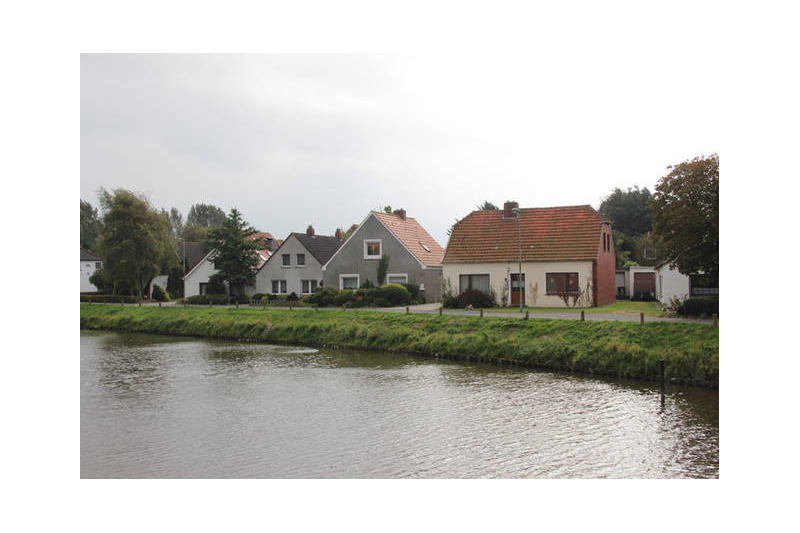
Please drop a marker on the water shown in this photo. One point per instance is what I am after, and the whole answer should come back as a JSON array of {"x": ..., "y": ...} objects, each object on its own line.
[{"x": 164, "y": 407}]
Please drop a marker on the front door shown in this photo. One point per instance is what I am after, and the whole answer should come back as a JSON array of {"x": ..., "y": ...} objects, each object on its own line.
[{"x": 517, "y": 289}]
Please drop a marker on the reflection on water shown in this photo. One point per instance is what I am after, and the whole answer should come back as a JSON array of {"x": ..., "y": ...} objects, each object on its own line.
[{"x": 166, "y": 407}]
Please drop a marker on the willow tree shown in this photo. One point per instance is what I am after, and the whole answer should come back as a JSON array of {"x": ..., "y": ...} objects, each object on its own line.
[{"x": 134, "y": 239}]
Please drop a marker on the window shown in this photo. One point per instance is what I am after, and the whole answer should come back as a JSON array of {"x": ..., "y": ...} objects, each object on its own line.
[
  {"x": 308, "y": 286},
  {"x": 476, "y": 282},
  {"x": 203, "y": 288},
  {"x": 278, "y": 286},
  {"x": 372, "y": 248},
  {"x": 97, "y": 265},
  {"x": 301, "y": 259},
  {"x": 286, "y": 259},
  {"x": 396, "y": 278},
  {"x": 348, "y": 281},
  {"x": 559, "y": 282}
]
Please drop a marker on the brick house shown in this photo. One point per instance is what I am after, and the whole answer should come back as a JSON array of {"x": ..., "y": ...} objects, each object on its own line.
[{"x": 566, "y": 252}]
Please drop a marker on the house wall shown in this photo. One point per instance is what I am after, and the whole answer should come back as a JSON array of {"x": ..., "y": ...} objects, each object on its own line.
[
  {"x": 534, "y": 272},
  {"x": 670, "y": 284},
  {"x": 198, "y": 275},
  {"x": 87, "y": 269},
  {"x": 606, "y": 291},
  {"x": 273, "y": 269},
  {"x": 350, "y": 260}
]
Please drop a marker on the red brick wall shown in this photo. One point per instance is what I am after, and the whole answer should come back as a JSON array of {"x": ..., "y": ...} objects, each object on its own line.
[{"x": 606, "y": 292}]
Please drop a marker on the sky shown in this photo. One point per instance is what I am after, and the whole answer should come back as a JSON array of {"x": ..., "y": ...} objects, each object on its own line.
[{"x": 293, "y": 140}]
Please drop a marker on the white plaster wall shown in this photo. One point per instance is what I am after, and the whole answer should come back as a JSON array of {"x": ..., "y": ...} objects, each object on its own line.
[
  {"x": 274, "y": 269},
  {"x": 198, "y": 275},
  {"x": 87, "y": 269},
  {"x": 670, "y": 283},
  {"x": 534, "y": 273}
]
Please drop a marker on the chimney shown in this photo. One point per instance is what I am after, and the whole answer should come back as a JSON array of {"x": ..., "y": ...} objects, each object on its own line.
[
  {"x": 401, "y": 213},
  {"x": 338, "y": 233},
  {"x": 310, "y": 230},
  {"x": 507, "y": 209}
]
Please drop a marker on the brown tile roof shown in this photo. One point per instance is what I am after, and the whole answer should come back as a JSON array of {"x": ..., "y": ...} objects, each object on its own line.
[
  {"x": 414, "y": 237},
  {"x": 547, "y": 234}
]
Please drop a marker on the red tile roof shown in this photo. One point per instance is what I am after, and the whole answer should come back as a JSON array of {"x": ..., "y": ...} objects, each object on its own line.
[
  {"x": 414, "y": 237},
  {"x": 547, "y": 234}
]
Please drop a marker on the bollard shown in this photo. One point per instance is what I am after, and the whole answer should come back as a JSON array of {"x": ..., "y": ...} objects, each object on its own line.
[
  {"x": 583, "y": 317},
  {"x": 440, "y": 311},
  {"x": 407, "y": 311},
  {"x": 716, "y": 319},
  {"x": 159, "y": 304},
  {"x": 481, "y": 313},
  {"x": 641, "y": 318},
  {"x": 527, "y": 315}
]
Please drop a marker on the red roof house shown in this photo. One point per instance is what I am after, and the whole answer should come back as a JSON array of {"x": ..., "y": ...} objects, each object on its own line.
[{"x": 566, "y": 256}]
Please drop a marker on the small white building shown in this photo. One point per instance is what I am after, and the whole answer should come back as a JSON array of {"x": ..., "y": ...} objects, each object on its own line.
[
  {"x": 670, "y": 283},
  {"x": 89, "y": 264}
]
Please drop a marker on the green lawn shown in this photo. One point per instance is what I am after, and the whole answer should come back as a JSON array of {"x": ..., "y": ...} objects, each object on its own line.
[{"x": 617, "y": 308}]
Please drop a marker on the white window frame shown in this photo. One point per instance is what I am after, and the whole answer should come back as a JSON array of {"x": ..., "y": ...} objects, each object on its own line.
[
  {"x": 371, "y": 241},
  {"x": 354, "y": 275},
  {"x": 405, "y": 275},
  {"x": 311, "y": 291},
  {"x": 281, "y": 284}
]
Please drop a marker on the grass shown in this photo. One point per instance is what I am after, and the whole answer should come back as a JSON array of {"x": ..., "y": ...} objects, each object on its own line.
[
  {"x": 625, "y": 349},
  {"x": 617, "y": 308}
]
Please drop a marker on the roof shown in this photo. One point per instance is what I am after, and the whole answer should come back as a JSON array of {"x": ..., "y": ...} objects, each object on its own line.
[
  {"x": 86, "y": 255},
  {"x": 195, "y": 251},
  {"x": 414, "y": 237},
  {"x": 322, "y": 247},
  {"x": 546, "y": 234}
]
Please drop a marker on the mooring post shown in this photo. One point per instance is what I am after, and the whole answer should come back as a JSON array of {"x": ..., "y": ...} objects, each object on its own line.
[
  {"x": 481, "y": 313},
  {"x": 582, "y": 316},
  {"x": 440, "y": 311},
  {"x": 407, "y": 311},
  {"x": 159, "y": 304},
  {"x": 641, "y": 318},
  {"x": 661, "y": 369}
]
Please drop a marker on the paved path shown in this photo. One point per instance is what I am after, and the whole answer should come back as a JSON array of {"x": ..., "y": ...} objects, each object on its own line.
[{"x": 434, "y": 308}]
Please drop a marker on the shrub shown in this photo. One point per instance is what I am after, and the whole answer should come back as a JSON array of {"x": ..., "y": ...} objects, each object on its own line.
[
  {"x": 216, "y": 299},
  {"x": 413, "y": 290},
  {"x": 381, "y": 302},
  {"x": 240, "y": 299},
  {"x": 395, "y": 294},
  {"x": 292, "y": 297},
  {"x": 344, "y": 297},
  {"x": 258, "y": 296},
  {"x": 367, "y": 284},
  {"x": 471, "y": 297},
  {"x": 108, "y": 298},
  {"x": 159, "y": 294},
  {"x": 324, "y": 297},
  {"x": 699, "y": 306}
]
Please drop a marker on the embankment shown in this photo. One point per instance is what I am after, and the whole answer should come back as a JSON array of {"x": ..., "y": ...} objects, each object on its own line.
[{"x": 621, "y": 349}]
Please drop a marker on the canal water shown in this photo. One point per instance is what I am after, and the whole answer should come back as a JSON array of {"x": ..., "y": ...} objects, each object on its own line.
[{"x": 167, "y": 407}]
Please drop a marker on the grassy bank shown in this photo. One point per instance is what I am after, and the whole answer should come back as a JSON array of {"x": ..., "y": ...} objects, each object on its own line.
[{"x": 623, "y": 349}]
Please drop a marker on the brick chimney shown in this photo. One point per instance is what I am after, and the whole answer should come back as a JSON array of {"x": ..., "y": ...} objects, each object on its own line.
[
  {"x": 507, "y": 209},
  {"x": 338, "y": 234},
  {"x": 401, "y": 213},
  {"x": 310, "y": 230}
]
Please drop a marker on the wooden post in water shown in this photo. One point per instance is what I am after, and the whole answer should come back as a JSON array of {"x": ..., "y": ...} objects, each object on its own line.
[
  {"x": 641, "y": 318},
  {"x": 661, "y": 369},
  {"x": 582, "y": 316}
]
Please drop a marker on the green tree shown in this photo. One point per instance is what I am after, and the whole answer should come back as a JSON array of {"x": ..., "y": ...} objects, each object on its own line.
[
  {"x": 233, "y": 253},
  {"x": 134, "y": 239},
  {"x": 90, "y": 226},
  {"x": 629, "y": 211},
  {"x": 208, "y": 216},
  {"x": 383, "y": 268},
  {"x": 387, "y": 209},
  {"x": 487, "y": 206},
  {"x": 686, "y": 215},
  {"x": 175, "y": 222},
  {"x": 194, "y": 233}
]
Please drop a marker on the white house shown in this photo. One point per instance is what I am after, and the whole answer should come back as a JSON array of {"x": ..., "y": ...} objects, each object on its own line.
[
  {"x": 89, "y": 263},
  {"x": 296, "y": 266}
]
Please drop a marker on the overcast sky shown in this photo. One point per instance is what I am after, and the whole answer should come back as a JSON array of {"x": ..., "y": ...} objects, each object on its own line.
[{"x": 293, "y": 140}]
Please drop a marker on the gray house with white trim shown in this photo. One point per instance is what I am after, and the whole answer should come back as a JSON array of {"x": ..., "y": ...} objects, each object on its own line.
[{"x": 414, "y": 256}]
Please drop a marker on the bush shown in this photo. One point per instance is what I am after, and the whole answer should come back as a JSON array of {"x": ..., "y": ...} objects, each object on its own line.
[
  {"x": 323, "y": 297},
  {"x": 699, "y": 306},
  {"x": 259, "y": 296},
  {"x": 413, "y": 289},
  {"x": 344, "y": 297},
  {"x": 240, "y": 299},
  {"x": 108, "y": 298},
  {"x": 159, "y": 294},
  {"x": 471, "y": 297},
  {"x": 395, "y": 294},
  {"x": 215, "y": 286},
  {"x": 215, "y": 299},
  {"x": 292, "y": 297},
  {"x": 381, "y": 302}
]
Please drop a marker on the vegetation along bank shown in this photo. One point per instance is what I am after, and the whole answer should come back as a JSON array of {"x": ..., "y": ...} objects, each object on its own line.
[{"x": 622, "y": 349}]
